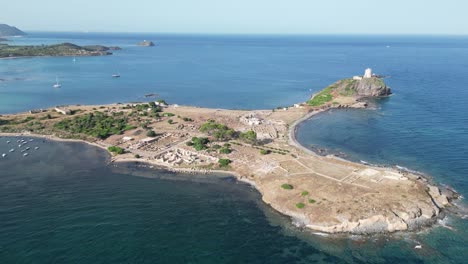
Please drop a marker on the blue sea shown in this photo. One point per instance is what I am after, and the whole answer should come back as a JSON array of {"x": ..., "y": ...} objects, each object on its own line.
[{"x": 63, "y": 203}]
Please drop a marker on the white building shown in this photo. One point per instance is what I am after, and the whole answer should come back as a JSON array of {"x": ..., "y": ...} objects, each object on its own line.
[{"x": 368, "y": 73}]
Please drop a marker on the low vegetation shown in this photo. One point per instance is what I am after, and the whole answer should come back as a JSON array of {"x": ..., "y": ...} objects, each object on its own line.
[
  {"x": 249, "y": 137},
  {"x": 116, "y": 150},
  {"x": 150, "y": 133},
  {"x": 95, "y": 124},
  {"x": 287, "y": 186},
  {"x": 304, "y": 193},
  {"x": 199, "y": 143},
  {"x": 218, "y": 131},
  {"x": 300, "y": 205},
  {"x": 323, "y": 97},
  {"x": 312, "y": 201},
  {"x": 224, "y": 162}
]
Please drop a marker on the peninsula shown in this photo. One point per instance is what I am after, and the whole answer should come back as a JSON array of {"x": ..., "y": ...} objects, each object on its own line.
[
  {"x": 64, "y": 49},
  {"x": 323, "y": 193}
]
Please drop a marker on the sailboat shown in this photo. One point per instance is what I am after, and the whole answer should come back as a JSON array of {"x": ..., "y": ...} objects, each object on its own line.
[
  {"x": 57, "y": 84},
  {"x": 115, "y": 75}
]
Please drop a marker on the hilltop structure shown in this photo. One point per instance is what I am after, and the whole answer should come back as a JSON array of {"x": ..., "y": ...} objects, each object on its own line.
[{"x": 367, "y": 75}]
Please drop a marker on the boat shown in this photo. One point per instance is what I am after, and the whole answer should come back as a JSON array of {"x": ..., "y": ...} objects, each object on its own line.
[
  {"x": 115, "y": 75},
  {"x": 74, "y": 59},
  {"x": 57, "y": 84},
  {"x": 4, "y": 155},
  {"x": 25, "y": 154},
  {"x": 12, "y": 150},
  {"x": 36, "y": 148},
  {"x": 8, "y": 142},
  {"x": 28, "y": 148}
]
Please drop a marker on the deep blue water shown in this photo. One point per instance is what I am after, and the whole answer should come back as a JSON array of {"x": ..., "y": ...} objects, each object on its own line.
[{"x": 423, "y": 126}]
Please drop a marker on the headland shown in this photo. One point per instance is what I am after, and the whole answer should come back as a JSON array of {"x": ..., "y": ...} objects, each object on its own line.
[
  {"x": 323, "y": 193},
  {"x": 63, "y": 49}
]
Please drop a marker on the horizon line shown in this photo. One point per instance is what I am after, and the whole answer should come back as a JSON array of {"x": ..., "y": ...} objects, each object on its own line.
[{"x": 248, "y": 33}]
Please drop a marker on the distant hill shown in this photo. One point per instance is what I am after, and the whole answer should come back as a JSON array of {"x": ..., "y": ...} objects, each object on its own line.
[{"x": 8, "y": 31}]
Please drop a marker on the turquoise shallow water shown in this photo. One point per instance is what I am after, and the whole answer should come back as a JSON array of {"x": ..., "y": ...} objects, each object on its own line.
[{"x": 62, "y": 203}]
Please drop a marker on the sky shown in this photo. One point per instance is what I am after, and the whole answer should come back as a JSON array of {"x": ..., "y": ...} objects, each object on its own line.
[{"x": 240, "y": 16}]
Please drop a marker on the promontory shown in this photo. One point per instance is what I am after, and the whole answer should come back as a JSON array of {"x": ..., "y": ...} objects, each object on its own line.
[
  {"x": 323, "y": 193},
  {"x": 64, "y": 49}
]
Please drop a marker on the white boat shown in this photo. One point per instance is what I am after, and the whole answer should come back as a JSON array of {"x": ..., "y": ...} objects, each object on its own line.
[
  {"x": 115, "y": 75},
  {"x": 12, "y": 150},
  {"x": 25, "y": 154},
  {"x": 28, "y": 148},
  {"x": 4, "y": 155},
  {"x": 8, "y": 142},
  {"x": 57, "y": 84},
  {"x": 36, "y": 148},
  {"x": 418, "y": 247}
]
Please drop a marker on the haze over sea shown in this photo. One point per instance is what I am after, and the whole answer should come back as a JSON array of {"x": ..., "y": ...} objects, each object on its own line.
[{"x": 63, "y": 204}]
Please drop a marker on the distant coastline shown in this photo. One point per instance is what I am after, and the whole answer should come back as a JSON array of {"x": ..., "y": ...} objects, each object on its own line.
[{"x": 56, "y": 50}]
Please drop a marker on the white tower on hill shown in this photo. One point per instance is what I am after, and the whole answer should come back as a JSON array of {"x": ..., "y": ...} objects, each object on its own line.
[{"x": 368, "y": 73}]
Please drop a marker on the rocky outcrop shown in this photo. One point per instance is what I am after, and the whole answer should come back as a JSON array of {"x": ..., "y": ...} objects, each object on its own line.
[
  {"x": 364, "y": 203},
  {"x": 146, "y": 43},
  {"x": 371, "y": 87}
]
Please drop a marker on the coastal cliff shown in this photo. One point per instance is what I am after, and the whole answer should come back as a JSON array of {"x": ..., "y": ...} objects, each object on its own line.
[{"x": 64, "y": 49}]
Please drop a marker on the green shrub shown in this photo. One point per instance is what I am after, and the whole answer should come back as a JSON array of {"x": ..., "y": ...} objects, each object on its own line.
[
  {"x": 224, "y": 162},
  {"x": 186, "y": 119},
  {"x": 116, "y": 150},
  {"x": 312, "y": 201},
  {"x": 216, "y": 146},
  {"x": 265, "y": 151},
  {"x": 218, "y": 131},
  {"x": 287, "y": 186},
  {"x": 249, "y": 137},
  {"x": 304, "y": 193},
  {"x": 137, "y": 156},
  {"x": 150, "y": 133},
  {"x": 199, "y": 143},
  {"x": 225, "y": 150},
  {"x": 300, "y": 205}
]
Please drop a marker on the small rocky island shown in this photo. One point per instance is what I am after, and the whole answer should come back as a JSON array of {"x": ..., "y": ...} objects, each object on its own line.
[
  {"x": 64, "y": 49},
  {"x": 323, "y": 193},
  {"x": 146, "y": 43}
]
